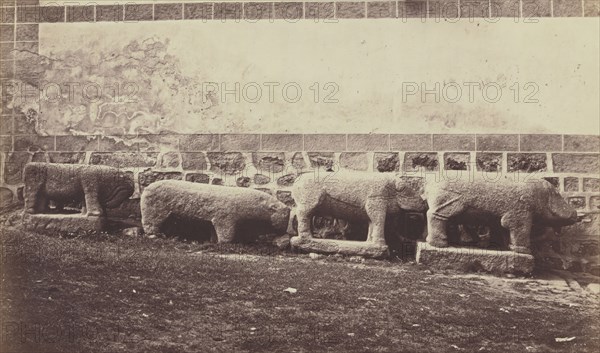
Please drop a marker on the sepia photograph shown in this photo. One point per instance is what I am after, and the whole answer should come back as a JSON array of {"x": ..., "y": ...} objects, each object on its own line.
[{"x": 344, "y": 176}]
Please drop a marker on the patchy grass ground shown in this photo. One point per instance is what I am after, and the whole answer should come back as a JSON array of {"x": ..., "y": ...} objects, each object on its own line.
[{"x": 103, "y": 293}]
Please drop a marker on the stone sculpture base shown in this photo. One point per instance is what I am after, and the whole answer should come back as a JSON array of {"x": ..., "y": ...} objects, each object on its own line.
[
  {"x": 63, "y": 222},
  {"x": 470, "y": 259},
  {"x": 345, "y": 247}
]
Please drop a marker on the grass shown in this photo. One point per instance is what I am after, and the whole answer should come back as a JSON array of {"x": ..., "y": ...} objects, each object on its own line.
[{"x": 107, "y": 293}]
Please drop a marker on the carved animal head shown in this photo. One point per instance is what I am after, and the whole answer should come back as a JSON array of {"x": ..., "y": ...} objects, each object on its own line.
[
  {"x": 553, "y": 209},
  {"x": 117, "y": 187},
  {"x": 280, "y": 216},
  {"x": 408, "y": 193}
]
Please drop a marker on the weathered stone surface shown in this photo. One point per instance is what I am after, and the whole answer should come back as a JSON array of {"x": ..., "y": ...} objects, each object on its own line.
[
  {"x": 265, "y": 190},
  {"x": 34, "y": 143},
  {"x": 595, "y": 203},
  {"x": 282, "y": 242},
  {"x": 526, "y": 162},
  {"x": 497, "y": 142},
  {"x": 6, "y": 128},
  {"x": 581, "y": 143},
  {"x": 169, "y": 160},
  {"x": 201, "y": 142},
  {"x": 148, "y": 177},
  {"x": 381, "y": 9},
  {"x": 517, "y": 204},
  {"x": 452, "y": 142},
  {"x": 243, "y": 182},
  {"x": 260, "y": 179},
  {"x": 410, "y": 142},
  {"x": 368, "y": 142},
  {"x": 540, "y": 143},
  {"x": 591, "y": 184},
  {"x": 157, "y": 143},
  {"x": 281, "y": 142},
  {"x": 5, "y": 143},
  {"x": 226, "y": 162},
  {"x": 591, "y": 8},
  {"x": 99, "y": 186},
  {"x": 225, "y": 207},
  {"x": 240, "y": 142},
  {"x": 66, "y": 157},
  {"x": 6, "y": 197},
  {"x": 123, "y": 143},
  {"x": 344, "y": 247},
  {"x": 325, "y": 142},
  {"x": 193, "y": 161},
  {"x": 489, "y": 162},
  {"x": 197, "y": 178},
  {"x": 354, "y": 160},
  {"x": 359, "y": 196},
  {"x": 576, "y": 163},
  {"x": 72, "y": 223},
  {"x": 286, "y": 198},
  {"x": 571, "y": 184},
  {"x": 298, "y": 162},
  {"x": 76, "y": 143},
  {"x": 168, "y": 11},
  {"x": 319, "y": 10},
  {"x": 456, "y": 161},
  {"x": 387, "y": 162},
  {"x": 567, "y": 8},
  {"x": 198, "y": 11},
  {"x": 577, "y": 202},
  {"x": 286, "y": 180},
  {"x": 552, "y": 180},
  {"x": 13, "y": 167},
  {"x": 217, "y": 181},
  {"x": 415, "y": 161},
  {"x": 40, "y": 157},
  {"x": 124, "y": 159},
  {"x": 471, "y": 259},
  {"x": 321, "y": 159},
  {"x": 269, "y": 163}
]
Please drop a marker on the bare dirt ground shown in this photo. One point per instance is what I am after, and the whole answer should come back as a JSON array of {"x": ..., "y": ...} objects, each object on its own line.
[{"x": 108, "y": 293}]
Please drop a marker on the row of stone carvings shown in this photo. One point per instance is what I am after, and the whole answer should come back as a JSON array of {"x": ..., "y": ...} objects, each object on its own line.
[{"x": 354, "y": 196}]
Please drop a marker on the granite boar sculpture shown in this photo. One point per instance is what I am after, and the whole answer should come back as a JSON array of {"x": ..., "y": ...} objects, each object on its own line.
[
  {"x": 517, "y": 204},
  {"x": 225, "y": 207},
  {"x": 99, "y": 187},
  {"x": 357, "y": 196}
]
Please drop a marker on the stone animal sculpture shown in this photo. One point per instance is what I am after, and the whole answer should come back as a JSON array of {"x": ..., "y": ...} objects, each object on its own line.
[
  {"x": 356, "y": 196},
  {"x": 517, "y": 204},
  {"x": 99, "y": 187},
  {"x": 225, "y": 207}
]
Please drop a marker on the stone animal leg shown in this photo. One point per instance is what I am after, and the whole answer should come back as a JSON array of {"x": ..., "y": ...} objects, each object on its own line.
[
  {"x": 519, "y": 225},
  {"x": 34, "y": 201},
  {"x": 92, "y": 205},
  {"x": 440, "y": 210},
  {"x": 436, "y": 227},
  {"x": 152, "y": 224},
  {"x": 225, "y": 229},
  {"x": 41, "y": 203},
  {"x": 152, "y": 220},
  {"x": 304, "y": 216},
  {"x": 377, "y": 212}
]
